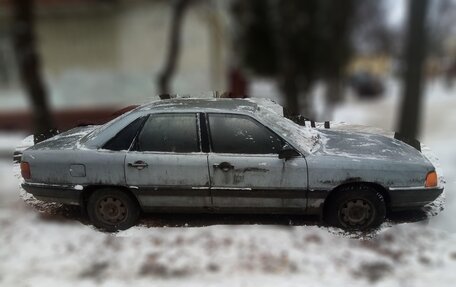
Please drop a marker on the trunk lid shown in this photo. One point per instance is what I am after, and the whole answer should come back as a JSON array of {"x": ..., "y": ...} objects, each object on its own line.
[{"x": 66, "y": 140}]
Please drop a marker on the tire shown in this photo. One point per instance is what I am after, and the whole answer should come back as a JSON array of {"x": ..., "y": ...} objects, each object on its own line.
[
  {"x": 355, "y": 208},
  {"x": 112, "y": 210}
]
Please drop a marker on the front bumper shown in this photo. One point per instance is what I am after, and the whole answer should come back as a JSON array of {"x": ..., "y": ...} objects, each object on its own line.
[
  {"x": 412, "y": 197},
  {"x": 54, "y": 193}
]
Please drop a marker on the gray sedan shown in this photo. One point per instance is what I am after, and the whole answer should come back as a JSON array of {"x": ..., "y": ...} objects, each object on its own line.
[{"x": 226, "y": 155}]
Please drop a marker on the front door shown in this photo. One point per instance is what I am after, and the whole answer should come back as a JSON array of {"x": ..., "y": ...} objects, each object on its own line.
[
  {"x": 166, "y": 164},
  {"x": 245, "y": 170}
]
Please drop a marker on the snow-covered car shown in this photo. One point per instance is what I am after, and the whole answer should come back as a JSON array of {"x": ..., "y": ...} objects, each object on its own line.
[{"x": 226, "y": 155}]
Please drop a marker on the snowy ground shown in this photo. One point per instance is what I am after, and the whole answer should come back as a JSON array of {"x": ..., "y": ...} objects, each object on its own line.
[
  {"x": 48, "y": 249},
  {"x": 44, "y": 249}
]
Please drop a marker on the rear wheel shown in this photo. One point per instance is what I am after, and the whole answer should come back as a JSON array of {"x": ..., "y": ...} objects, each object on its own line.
[
  {"x": 112, "y": 210},
  {"x": 356, "y": 208}
]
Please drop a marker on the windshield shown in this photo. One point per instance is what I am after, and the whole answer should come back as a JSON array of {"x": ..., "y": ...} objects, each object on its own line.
[{"x": 306, "y": 139}]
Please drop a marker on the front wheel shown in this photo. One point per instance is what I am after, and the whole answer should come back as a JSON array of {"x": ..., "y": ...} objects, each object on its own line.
[
  {"x": 356, "y": 208},
  {"x": 112, "y": 210}
]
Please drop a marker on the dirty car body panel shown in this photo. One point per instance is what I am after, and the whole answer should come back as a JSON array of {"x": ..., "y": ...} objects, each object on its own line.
[{"x": 223, "y": 155}]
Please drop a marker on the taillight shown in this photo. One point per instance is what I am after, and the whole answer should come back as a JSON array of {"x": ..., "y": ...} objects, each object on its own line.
[
  {"x": 431, "y": 179},
  {"x": 25, "y": 170}
]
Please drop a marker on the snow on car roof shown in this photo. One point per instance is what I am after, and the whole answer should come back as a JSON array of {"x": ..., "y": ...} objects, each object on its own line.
[
  {"x": 269, "y": 113},
  {"x": 195, "y": 103}
]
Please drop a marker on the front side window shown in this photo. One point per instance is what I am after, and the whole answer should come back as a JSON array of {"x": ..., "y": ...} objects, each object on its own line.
[
  {"x": 241, "y": 134},
  {"x": 169, "y": 133}
]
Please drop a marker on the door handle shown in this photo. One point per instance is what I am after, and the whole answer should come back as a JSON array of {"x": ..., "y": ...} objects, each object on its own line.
[
  {"x": 138, "y": 164},
  {"x": 225, "y": 166}
]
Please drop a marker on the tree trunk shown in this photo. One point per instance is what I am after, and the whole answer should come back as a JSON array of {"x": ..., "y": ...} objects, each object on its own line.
[
  {"x": 30, "y": 67},
  {"x": 237, "y": 83},
  {"x": 174, "y": 43},
  {"x": 339, "y": 29},
  {"x": 288, "y": 70},
  {"x": 414, "y": 53},
  {"x": 333, "y": 95},
  {"x": 290, "y": 89}
]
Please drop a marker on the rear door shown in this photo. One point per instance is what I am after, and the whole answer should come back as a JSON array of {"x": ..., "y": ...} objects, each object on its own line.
[
  {"x": 166, "y": 164},
  {"x": 245, "y": 170}
]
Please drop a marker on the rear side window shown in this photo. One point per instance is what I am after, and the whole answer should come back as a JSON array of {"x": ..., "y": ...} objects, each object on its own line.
[
  {"x": 123, "y": 139},
  {"x": 241, "y": 134},
  {"x": 169, "y": 133}
]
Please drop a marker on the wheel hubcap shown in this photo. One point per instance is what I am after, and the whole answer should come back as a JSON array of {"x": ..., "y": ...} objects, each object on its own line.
[
  {"x": 356, "y": 213},
  {"x": 112, "y": 210}
]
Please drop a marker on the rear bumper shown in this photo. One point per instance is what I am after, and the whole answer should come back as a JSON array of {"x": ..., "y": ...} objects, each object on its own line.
[
  {"x": 54, "y": 193},
  {"x": 412, "y": 197}
]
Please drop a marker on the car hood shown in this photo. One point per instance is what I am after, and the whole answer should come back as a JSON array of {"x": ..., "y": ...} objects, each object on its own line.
[
  {"x": 363, "y": 145},
  {"x": 67, "y": 140}
]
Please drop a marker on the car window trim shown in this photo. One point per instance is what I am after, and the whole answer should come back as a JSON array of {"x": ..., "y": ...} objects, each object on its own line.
[
  {"x": 242, "y": 116},
  {"x": 204, "y": 133},
  {"x": 135, "y": 146}
]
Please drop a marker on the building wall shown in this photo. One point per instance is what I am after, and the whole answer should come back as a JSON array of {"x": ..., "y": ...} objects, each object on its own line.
[{"x": 113, "y": 54}]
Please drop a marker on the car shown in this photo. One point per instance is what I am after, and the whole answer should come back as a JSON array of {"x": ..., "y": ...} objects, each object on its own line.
[
  {"x": 367, "y": 85},
  {"x": 227, "y": 156}
]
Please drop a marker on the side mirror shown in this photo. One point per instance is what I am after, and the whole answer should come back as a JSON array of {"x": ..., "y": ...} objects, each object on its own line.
[{"x": 288, "y": 152}]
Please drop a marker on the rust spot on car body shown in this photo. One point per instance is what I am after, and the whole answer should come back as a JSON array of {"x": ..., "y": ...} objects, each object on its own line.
[
  {"x": 352, "y": 179},
  {"x": 254, "y": 169}
]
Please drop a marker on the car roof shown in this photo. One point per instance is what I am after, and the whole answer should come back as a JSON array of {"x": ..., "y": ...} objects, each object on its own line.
[
  {"x": 262, "y": 110},
  {"x": 198, "y": 104}
]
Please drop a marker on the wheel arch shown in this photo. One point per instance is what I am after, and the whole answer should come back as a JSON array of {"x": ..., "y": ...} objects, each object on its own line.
[
  {"x": 376, "y": 186},
  {"x": 90, "y": 189}
]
